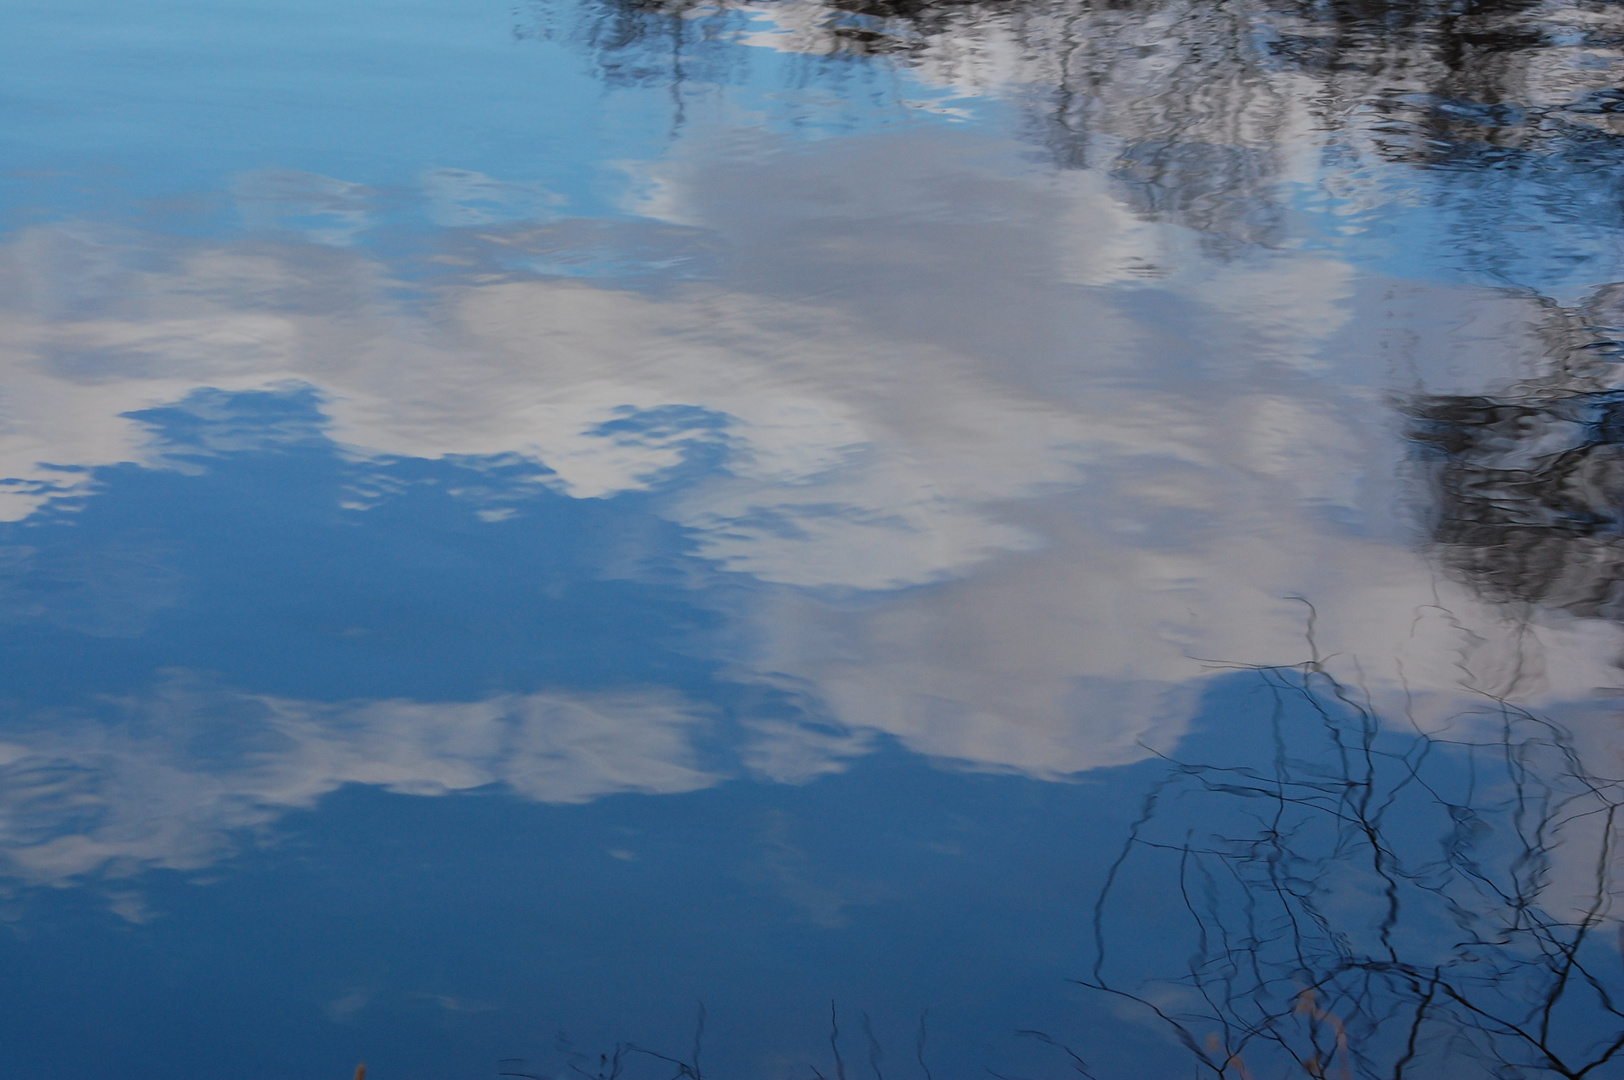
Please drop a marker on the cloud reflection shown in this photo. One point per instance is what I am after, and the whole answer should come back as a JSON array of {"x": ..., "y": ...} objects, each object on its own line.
[
  {"x": 1008, "y": 509},
  {"x": 175, "y": 780}
]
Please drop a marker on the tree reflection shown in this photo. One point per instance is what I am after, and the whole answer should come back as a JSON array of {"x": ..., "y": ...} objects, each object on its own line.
[
  {"x": 1527, "y": 486},
  {"x": 1381, "y": 903},
  {"x": 1201, "y": 111}
]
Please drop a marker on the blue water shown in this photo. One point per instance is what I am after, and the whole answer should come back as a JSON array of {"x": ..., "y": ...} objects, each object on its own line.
[{"x": 810, "y": 539}]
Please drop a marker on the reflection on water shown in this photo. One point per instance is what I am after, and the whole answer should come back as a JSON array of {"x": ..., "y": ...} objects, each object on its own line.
[
  {"x": 1219, "y": 118},
  {"x": 443, "y": 602},
  {"x": 1381, "y": 902},
  {"x": 1526, "y": 482}
]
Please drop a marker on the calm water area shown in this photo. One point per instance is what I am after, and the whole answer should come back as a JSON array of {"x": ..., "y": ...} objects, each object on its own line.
[{"x": 811, "y": 539}]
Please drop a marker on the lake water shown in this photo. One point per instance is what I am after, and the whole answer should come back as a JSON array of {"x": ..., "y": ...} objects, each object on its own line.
[{"x": 811, "y": 539}]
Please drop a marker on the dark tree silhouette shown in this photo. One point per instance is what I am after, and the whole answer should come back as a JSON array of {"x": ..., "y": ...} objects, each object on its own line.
[{"x": 1526, "y": 488}]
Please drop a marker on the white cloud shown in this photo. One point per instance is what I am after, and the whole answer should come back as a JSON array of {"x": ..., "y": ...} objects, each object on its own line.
[
  {"x": 1053, "y": 492},
  {"x": 171, "y": 781}
]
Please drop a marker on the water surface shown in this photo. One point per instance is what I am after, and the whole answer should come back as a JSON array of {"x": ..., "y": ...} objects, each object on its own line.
[{"x": 803, "y": 538}]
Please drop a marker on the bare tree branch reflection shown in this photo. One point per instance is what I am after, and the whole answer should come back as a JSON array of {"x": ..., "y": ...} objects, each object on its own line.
[
  {"x": 1197, "y": 109},
  {"x": 1380, "y": 902},
  {"x": 612, "y": 1064}
]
